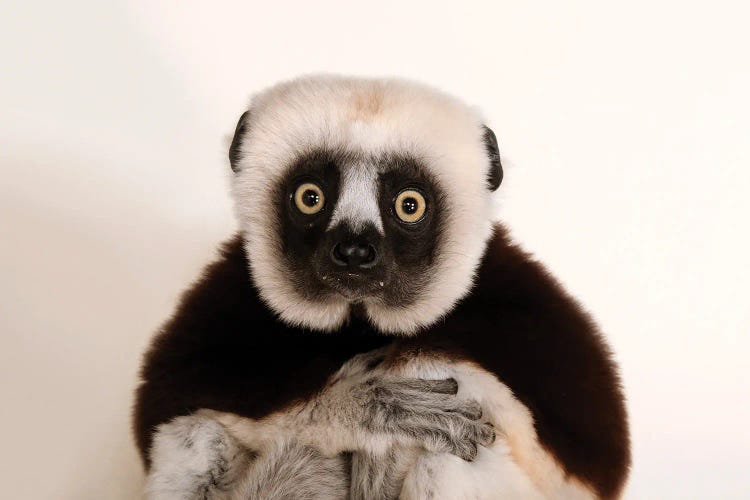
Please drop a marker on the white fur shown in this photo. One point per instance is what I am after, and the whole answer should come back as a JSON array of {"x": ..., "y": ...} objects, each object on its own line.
[
  {"x": 376, "y": 117},
  {"x": 358, "y": 202}
]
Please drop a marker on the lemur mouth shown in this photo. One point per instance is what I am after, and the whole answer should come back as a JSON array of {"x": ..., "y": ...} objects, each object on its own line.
[{"x": 353, "y": 286}]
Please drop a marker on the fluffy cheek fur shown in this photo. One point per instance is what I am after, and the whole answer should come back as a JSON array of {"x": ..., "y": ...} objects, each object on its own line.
[{"x": 257, "y": 211}]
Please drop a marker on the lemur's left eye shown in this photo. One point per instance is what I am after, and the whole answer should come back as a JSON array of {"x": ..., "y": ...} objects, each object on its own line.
[
  {"x": 309, "y": 198},
  {"x": 410, "y": 205}
]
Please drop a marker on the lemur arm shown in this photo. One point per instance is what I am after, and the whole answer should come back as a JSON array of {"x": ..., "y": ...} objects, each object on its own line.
[
  {"x": 361, "y": 410},
  {"x": 224, "y": 351},
  {"x": 520, "y": 325}
]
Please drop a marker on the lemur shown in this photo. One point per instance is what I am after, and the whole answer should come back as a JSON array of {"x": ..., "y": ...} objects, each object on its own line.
[{"x": 372, "y": 331}]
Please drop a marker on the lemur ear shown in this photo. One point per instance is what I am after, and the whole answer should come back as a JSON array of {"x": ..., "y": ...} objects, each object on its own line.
[
  {"x": 234, "y": 148},
  {"x": 495, "y": 175}
]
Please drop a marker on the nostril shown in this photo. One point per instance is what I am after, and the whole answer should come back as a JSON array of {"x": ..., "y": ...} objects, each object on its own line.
[
  {"x": 338, "y": 256},
  {"x": 369, "y": 256}
]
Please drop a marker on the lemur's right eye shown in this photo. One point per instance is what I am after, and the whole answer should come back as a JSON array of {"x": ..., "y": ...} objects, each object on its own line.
[{"x": 309, "y": 198}]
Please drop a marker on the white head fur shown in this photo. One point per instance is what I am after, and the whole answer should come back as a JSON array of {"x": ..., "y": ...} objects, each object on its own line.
[{"x": 379, "y": 116}]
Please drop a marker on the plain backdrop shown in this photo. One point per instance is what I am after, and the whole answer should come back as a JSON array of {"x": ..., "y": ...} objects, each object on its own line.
[{"x": 624, "y": 128}]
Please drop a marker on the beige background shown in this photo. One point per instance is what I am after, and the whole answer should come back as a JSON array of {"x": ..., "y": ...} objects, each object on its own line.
[{"x": 624, "y": 129}]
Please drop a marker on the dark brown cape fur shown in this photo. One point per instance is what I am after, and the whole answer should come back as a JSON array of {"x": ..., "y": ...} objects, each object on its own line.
[{"x": 225, "y": 350}]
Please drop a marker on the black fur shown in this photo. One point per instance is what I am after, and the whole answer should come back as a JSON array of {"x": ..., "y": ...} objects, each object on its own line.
[
  {"x": 495, "y": 175},
  {"x": 304, "y": 240},
  {"x": 307, "y": 244},
  {"x": 224, "y": 350},
  {"x": 412, "y": 247},
  {"x": 234, "y": 148}
]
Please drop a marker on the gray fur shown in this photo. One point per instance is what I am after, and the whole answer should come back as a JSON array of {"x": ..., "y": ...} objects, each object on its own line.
[
  {"x": 380, "y": 476},
  {"x": 194, "y": 458},
  {"x": 425, "y": 413},
  {"x": 291, "y": 471},
  {"x": 203, "y": 462},
  {"x": 386, "y": 421}
]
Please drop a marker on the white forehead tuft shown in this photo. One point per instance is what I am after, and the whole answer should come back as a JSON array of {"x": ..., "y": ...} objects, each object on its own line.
[
  {"x": 358, "y": 199},
  {"x": 374, "y": 116}
]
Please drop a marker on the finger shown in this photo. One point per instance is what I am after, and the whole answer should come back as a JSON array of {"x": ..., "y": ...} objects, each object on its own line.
[
  {"x": 467, "y": 451},
  {"x": 444, "y": 386},
  {"x": 486, "y": 434},
  {"x": 469, "y": 409}
]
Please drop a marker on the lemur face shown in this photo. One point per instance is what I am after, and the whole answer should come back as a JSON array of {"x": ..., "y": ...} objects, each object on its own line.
[
  {"x": 359, "y": 227},
  {"x": 367, "y": 193}
]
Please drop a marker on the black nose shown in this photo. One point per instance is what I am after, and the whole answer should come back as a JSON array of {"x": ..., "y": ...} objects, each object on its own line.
[{"x": 354, "y": 254}]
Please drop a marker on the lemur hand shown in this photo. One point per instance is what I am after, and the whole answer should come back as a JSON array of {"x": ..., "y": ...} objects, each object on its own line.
[
  {"x": 426, "y": 412},
  {"x": 194, "y": 457}
]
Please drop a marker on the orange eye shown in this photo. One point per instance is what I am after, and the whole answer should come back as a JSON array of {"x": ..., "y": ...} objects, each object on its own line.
[
  {"x": 410, "y": 206},
  {"x": 309, "y": 198}
]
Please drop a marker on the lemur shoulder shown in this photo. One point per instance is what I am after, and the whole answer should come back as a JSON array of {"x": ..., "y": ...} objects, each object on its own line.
[{"x": 372, "y": 332}]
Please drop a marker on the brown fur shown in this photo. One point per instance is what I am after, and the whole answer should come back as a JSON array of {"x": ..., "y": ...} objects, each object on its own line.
[{"x": 366, "y": 104}]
